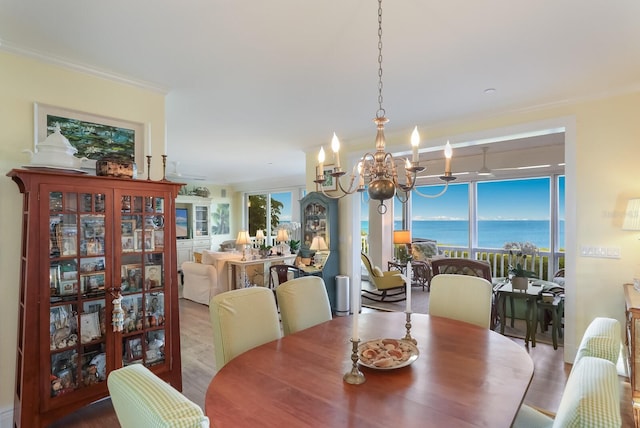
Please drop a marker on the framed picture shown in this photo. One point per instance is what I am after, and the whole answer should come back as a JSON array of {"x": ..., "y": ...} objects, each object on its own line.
[
  {"x": 68, "y": 287},
  {"x": 153, "y": 276},
  {"x": 127, "y": 243},
  {"x": 92, "y": 283},
  {"x": 158, "y": 238},
  {"x": 90, "y": 327},
  {"x": 330, "y": 183},
  {"x": 143, "y": 240},
  {"x": 133, "y": 349},
  {"x": 92, "y": 135},
  {"x": 131, "y": 277},
  {"x": 127, "y": 227}
]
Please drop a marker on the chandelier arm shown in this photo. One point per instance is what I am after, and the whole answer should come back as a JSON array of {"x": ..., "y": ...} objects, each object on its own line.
[{"x": 424, "y": 195}]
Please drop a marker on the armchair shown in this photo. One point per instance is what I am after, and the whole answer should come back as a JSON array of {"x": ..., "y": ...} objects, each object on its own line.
[{"x": 390, "y": 285}]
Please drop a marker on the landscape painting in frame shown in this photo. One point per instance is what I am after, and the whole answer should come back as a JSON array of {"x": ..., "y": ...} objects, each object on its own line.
[
  {"x": 93, "y": 136},
  {"x": 220, "y": 217}
]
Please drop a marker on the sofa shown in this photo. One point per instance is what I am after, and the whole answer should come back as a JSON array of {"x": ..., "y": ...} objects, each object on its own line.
[{"x": 205, "y": 279}]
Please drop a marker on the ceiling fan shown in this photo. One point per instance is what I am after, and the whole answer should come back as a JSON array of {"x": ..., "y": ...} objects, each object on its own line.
[{"x": 175, "y": 173}]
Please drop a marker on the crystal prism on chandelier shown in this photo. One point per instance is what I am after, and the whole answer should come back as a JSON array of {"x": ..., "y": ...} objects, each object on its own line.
[{"x": 377, "y": 172}]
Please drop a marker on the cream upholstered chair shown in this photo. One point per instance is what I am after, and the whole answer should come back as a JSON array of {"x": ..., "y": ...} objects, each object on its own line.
[
  {"x": 390, "y": 285},
  {"x": 601, "y": 339},
  {"x": 591, "y": 398},
  {"x": 461, "y": 297},
  {"x": 242, "y": 319},
  {"x": 143, "y": 400},
  {"x": 303, "y": 303}
]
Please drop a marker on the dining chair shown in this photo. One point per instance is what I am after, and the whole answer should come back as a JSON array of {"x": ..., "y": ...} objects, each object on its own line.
[
  {"x": 390, "y": 286},
  {"x": 303, "y": 303},
  {"x": 461, "y": 297},
  {"x": 601, "y": 339},
  {"x": 462, "y": 266},
  {"x": 282, "y": 273},
  {"x": 143, "y": 400},
  {"x": 591, "y": 398},
  {"x": 242, "y": 319}
]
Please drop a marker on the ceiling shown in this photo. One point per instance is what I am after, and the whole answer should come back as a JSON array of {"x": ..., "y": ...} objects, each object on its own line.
[{"x": 253, "y": 85}]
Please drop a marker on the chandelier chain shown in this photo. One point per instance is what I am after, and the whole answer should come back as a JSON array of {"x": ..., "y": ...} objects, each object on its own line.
[{"x": 380, "y": 113}]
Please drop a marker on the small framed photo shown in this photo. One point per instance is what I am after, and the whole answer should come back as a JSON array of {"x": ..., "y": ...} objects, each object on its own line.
[
  {"x": 69, "y": 287},
  {"x": 158, "y": 238},
  {"x": 127, "y": 243},
  {"x": 330, "y": 183},
  {"x": 133, "y": 349},
  {"x": 153, "y": 276},
  {"x": 92, "y": 283},
  {"x": 131, "y": 277},
  {"x": 127, "y": 227},
  {"x": 143, "y": 240},
  {"x": 90, "y": 327}
]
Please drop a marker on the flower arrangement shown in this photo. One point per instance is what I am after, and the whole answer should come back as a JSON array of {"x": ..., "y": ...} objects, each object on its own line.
[{"x": 518, "y": 252}]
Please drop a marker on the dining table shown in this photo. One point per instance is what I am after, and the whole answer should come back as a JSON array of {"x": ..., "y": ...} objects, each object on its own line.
[{"x": 464, "y": 376}]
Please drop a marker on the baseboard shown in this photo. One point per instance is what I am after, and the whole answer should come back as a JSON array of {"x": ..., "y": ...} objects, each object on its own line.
[{"x": 6, "y": 418}]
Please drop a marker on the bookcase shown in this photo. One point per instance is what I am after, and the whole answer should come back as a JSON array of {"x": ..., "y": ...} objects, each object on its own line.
[
  {"x": 198, "y": 235},
  {"x": 98, "y": 288}
]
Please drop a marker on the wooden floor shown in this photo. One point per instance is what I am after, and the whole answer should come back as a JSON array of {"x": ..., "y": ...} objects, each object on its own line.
[{"x": 198, "y": 368}]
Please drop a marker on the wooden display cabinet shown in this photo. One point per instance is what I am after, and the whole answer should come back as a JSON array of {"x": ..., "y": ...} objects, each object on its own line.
[
  {"x": 87, "y": 241},
  {"x": 632, "y": 342},
  {"x": 319, "y": 215}
]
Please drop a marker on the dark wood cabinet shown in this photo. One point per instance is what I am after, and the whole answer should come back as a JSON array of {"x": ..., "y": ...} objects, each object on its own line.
[
  {"x": 319, "y": 215},
  {"x": 632, "y": 342},
  {"x": 98, "y": 288}
]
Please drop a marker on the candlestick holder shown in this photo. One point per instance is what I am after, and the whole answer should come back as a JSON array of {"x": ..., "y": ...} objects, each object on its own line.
[
  {"x": 354, "y": 376},
  {"x": 407, "y": 336},
  {"x": 164, "y": 167},
  {"x": 148, "y": 167}
]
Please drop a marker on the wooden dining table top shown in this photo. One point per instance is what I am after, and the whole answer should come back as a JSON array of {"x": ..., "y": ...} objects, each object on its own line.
[{"x": 465, "y": 376}]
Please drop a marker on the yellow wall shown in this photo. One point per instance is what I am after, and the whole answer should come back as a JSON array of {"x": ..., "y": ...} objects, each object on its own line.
[
  {"x": 23, "y": 82},
  {"x": 602, "y": 154}
]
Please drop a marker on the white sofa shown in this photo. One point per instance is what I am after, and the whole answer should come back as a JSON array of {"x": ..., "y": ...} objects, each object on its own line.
[{"x": 204, "y": 280}]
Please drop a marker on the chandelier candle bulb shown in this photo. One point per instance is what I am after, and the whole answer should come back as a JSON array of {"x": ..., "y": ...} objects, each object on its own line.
[
  {"x": 335, "y": 146},
  {"x": 321, "y": 161},
  {"x": 448, "y": 152},
  {"x": 415, "y": 142},
  {"x": 409, "y": 287}
]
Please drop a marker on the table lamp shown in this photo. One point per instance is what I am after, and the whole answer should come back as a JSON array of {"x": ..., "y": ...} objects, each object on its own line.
[
  {"x": 283, "y": 236},
  {"x": 319, "y": 245},
  {"x": 400, "y": 239},
  {"x": 243, "y": 239}
]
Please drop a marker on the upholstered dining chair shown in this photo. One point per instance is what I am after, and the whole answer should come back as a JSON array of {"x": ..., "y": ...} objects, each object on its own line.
[
  {"x": 461, "y": 297},
  {"x": 303, "y": 303},
  {"x": 390, "y": 286},
  {"x": 242, "y": 319},
  {"x": 462, "y": 266}
]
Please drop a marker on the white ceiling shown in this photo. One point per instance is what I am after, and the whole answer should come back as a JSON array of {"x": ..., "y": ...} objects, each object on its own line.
[{"x": 251, "y": 85}]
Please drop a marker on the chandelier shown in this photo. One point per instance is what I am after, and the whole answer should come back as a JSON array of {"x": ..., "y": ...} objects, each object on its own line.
[{"x": 378, "y": 172}]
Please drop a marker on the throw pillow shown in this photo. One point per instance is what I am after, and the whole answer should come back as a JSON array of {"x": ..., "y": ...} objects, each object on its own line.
[
  {"x": 377, "y": 271},
  {"x": 424, "y": 250},
  {"x": 197, "y": 257}
]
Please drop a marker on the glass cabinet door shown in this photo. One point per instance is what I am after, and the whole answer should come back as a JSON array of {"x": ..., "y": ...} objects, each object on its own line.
[
  {"x": 77, "y": 281},
  {"x": 142, "y": 278},
  {"x": 201, "y": 220}
]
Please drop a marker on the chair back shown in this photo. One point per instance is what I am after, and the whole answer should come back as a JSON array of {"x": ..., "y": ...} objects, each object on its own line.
[
  {"x": 461, "y": 297},
  {"x": 303, "y": 303},
  {"x": 367, "y": 264},
  {"x": 242, "y": 319},
  {"x": 282, "y": 273},
  {"x": 462, "y": 266},
  {"x": 601, "y": 339}
]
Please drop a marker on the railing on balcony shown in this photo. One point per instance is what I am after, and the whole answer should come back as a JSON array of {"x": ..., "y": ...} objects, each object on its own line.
[{"x": 544, "y": 263}]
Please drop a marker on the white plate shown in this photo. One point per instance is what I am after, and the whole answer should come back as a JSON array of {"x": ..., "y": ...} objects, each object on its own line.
[
  {"x": 55, "y": 168},
  {"x": 412, "y": 354}
]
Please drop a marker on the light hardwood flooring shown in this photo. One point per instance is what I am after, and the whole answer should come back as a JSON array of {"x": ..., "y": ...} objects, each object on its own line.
[{"x": 198, "y": 368}]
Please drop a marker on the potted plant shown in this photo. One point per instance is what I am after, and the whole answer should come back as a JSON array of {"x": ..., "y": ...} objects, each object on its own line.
[
  {"x": 518, "y": 253},
  {"x": 265, "y": 250},
  {"x": 294, "y": 246}
]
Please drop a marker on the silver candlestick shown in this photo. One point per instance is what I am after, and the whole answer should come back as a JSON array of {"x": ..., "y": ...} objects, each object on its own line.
[{"x": 354, "y": 376}]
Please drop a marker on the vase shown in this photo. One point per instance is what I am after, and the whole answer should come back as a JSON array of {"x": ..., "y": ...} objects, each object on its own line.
[{"x": 519, "y": 283}]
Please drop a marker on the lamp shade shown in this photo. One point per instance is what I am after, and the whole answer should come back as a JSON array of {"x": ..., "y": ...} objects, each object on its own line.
[
  {"x": 402, "y": 237},
  {"x": 282, "y": 236},
  {"x": 243, "y": 238},
  {"x": 259, "y": 234},
  {"x": 632, "y": 215},
  {"x": 318, "y": 244}
]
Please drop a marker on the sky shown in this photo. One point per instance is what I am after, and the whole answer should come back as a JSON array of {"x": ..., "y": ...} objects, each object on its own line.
[{"x": 523, "y": 199}]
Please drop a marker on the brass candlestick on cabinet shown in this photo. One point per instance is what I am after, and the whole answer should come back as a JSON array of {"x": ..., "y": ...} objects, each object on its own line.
[
  {"x": 149, "y": 167},
  {"x": 164, "y": 167},
  {"x": 408, "y": 337},
  {"x": 355, "y": 376}
]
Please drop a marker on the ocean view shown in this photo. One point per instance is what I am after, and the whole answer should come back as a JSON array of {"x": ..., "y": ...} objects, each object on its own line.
[{"x": 491, "y": 233}]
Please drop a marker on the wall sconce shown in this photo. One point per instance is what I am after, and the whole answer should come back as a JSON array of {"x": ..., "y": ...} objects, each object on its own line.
[{"x": 632, "y": 215}]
